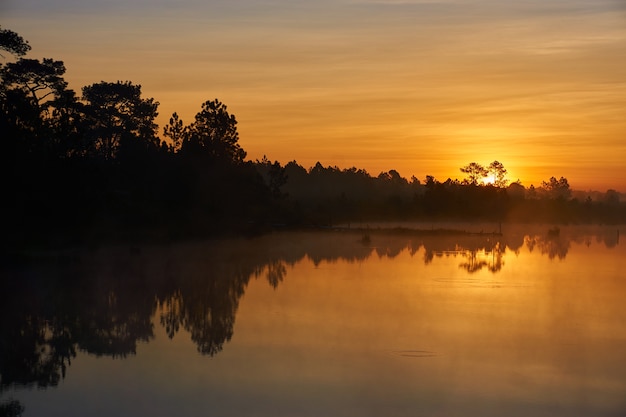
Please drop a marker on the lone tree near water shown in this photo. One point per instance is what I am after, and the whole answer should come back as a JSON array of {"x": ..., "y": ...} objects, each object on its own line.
[
  {"x": 475, "y": 173},
  {"x": 497, "y": 170}
]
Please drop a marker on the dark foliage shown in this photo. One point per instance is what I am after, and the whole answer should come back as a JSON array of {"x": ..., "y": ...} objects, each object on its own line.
[
  {"x": 13, "y": 43},
  {"x": 78, "y": 169},
  {"x": 330, "y": 195}
]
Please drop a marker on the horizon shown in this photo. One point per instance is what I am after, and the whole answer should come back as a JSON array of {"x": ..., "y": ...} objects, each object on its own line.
[{"x": 422, "y": 88}]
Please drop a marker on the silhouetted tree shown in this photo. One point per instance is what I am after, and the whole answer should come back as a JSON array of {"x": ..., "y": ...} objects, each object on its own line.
[
  {"x": 475, "y": 173},
  {"x": 28, "y": 90},
  {"x": 38, "y": 79},
  {"x": 558, "y": 189},
  {"x": 13, "y": 43},
  {"x": 429, "y": 181},
  {"x": 116, "y": 115},
  {"x": 213, "y": 135},
  {"x": 393, "y": 177},
  {"x": 499, "y": 173},
  {"x": 176, "y": 131}
]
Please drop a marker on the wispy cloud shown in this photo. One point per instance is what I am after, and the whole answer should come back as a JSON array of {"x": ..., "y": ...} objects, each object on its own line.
[{"x": 432, "y": 82}]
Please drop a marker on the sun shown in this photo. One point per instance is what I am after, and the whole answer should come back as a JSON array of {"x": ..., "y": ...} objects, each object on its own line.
[{"x": 489, "y": 179}]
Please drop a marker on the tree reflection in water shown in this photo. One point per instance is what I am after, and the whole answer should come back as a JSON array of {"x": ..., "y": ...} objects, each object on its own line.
[
  {"x": 477, "y": 259},
  {"x": 477, "y": 251},
  {"x": 103, "y": 302},
  {"x": 276, "y": 271},
  {"x": 205, "y": 306},
  {"x": 553, "y": 246}
]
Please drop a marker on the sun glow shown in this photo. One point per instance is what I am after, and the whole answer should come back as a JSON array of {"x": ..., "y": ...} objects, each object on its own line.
[
  {"x": 407, "y": 91},
  {"x": 489, "y": 179}
]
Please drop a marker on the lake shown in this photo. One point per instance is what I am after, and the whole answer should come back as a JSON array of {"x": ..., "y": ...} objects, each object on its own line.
[{"x": 322, "y": 323}]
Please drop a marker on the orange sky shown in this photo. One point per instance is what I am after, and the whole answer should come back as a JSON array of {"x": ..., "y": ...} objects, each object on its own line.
[{"x": 423, "y": 87}]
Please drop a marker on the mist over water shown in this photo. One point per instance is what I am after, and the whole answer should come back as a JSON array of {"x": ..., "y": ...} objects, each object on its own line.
[{"x": 323, "y": 323}]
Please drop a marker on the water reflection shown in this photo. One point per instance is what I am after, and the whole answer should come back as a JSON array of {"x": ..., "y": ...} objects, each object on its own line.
[
  {"x": 103, "y": 301},
  {"x": 491, "y": 258}
]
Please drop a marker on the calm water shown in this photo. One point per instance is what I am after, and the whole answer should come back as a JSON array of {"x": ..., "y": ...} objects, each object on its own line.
[{"x": 322, "y": 324}]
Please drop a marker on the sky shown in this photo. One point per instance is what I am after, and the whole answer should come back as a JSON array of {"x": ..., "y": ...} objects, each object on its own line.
[{"x": 420, "y": 86}]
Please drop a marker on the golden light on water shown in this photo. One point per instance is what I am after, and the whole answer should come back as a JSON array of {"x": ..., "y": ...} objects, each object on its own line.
[
  {"x": 458, "y": 325},
  {"x": 323, "y": 323}
]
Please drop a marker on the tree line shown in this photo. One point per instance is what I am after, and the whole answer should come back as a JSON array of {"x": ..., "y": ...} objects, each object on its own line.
[
  {"x": 96, "y": 165},
  {"x": 330, "y": 195}
]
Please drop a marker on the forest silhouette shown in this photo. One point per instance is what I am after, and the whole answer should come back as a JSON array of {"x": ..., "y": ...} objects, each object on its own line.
[{"x": 82, "y": 169}]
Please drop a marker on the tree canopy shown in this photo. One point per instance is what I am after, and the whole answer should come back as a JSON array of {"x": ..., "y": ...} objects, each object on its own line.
[
  {"x": 117, "y": 116},
  {"x": 475, "y": 173},
  {"x": 497, "y": 170},
  {"x": 13, "y": 43},
  {"x": 558, "y": 189},
  {"x": 213, "y": 134}
]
